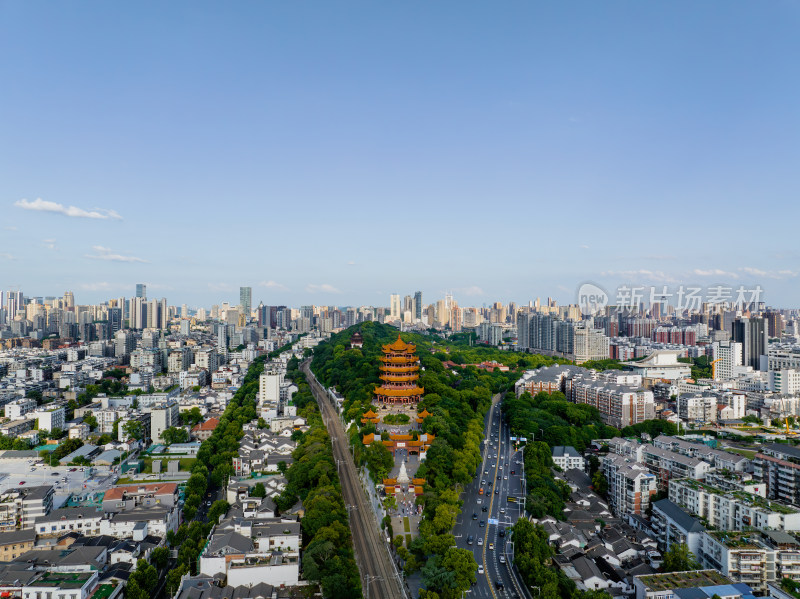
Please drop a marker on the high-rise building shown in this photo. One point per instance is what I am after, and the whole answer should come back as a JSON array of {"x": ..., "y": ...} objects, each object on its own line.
[
  {"x": 753, "y": 335},
  {"x": 141, "y": 290},
  {"x": 418, "y": 305},
  {"x": 395, "y": 308},
  {"x": 246, "y": 300},
  {"x": 775, "y": 323}
]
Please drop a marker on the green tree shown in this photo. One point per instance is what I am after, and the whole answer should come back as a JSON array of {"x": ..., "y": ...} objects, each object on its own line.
[
  {"x": 91, "y": 421},
  {"x": 133, "y": 429},
  {"x": 600, "y": 484},
  {"x": 258, "y": 490},
  {"x": 159, "y": 557},
  {"x": 174, "y": 435},
  {"x": 192, "y": 417},
  {"x": 679, "y": 559}
]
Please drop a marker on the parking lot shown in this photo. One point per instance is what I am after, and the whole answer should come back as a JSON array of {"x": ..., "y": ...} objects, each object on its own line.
[{"x": 23, "y": 473}]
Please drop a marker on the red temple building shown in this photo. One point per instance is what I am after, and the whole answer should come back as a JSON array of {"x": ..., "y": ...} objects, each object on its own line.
[{"x": 400, "y": 374}]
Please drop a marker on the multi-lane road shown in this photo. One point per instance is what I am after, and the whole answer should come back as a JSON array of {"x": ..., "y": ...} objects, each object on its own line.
[
  {"x": 481, "y": 528},
  {"x": 379, "y": 578}
]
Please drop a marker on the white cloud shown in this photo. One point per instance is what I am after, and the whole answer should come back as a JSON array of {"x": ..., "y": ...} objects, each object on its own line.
[
  {"x": 7, "y": 256},
  {"x": 351, "y": 263},
  {"x": 584, "y": 247},
  {"x": 768, "y": 274},
  {"x": 104, "y": 253},
  {"x": 273, "y": 285},
  {"x": 471, "y": 290},
  {"x": 659, "y": 257},
  {"x": 40, "y": 205},
  {"x": 324, "y": 287},
  {"x": 101, "y": 286},
  {"x": 643, "y": 274},
  {"x": 10, "y": 228},
  {"x": 714, "y": 272},
  {"x": 50, "y": 244}
]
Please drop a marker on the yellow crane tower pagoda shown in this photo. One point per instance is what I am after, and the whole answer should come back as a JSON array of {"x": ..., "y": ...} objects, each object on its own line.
[{"x": 399, "y": 373}]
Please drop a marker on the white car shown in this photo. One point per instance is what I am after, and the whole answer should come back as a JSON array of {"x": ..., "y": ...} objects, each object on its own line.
[
  {"x": 502, "y": 559},
  {"x": 480, "y": 569},
  {"x": 480, "y": 540}
]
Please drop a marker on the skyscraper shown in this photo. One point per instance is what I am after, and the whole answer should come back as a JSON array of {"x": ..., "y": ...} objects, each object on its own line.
[
  {"x": 394, "y": 306},
  {"x": 752, "y": 333},
  {"x": 141, "y": 290},
  {"x": 246, "y": 300},
  {"x": 418, "y": 305}
]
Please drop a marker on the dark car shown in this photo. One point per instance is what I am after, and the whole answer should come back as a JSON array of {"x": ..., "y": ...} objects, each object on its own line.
[
  {"x": 470, "y": 539},
  {"x": 499, "y": 585},
  {"x": 484, "y": 509},
  {"x": 502, "y": 532},
  {"x": 482, "y": 524},
  {"x": 474, "y": 516},
  {"x": 496, "y": 491}
]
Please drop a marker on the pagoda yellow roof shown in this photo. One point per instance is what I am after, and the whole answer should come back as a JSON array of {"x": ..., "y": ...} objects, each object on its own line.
[
  {"x": 418, "y": 481},
  {"x": 399, "y": 346},
  {"x": 369, "y": 414},
  {"x": 424, "y": 413},
  {"x": 395, "y": 392},
  {"x": 368, "y": 439}
]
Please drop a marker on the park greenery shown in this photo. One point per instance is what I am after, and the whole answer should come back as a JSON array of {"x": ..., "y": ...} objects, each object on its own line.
[{"x": 458, "y": 395}]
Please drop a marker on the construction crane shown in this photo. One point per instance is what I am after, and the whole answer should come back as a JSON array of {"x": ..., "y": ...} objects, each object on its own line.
[{"x": 714, "y": 368}]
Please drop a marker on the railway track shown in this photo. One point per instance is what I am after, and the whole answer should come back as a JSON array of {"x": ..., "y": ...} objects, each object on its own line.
[{"x": 378, "y": 576}]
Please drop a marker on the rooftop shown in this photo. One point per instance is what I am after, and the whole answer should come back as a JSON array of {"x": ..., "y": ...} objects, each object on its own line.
[{"x": 683, "y": 580}]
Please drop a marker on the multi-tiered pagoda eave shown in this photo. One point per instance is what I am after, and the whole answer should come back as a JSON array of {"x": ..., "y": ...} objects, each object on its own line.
[{"x": 399, "y": 373}]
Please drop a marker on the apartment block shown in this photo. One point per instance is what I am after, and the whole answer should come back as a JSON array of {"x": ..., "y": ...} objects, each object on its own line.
[
  {"x": 721, "y": 460},
  {"x": 19, "y": 408},
  {"x": 778, "y": 466},
  {"x": 19, "y": 508},
  {"x": 668, "y": 464},
  {"x": 732, "y": 510},
  {"x": 618, "y": 396},
  {"x": 630, "y": 485},
  {"x": 754, "y": 558},
  {"x": 673, "y": 525}
]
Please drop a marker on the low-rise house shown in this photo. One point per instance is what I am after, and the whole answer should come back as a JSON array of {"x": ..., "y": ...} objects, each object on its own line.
[
  {"x": 567, "y": 458},
  {"x": 16, "y": 542},
  {"x": 137, "y": 523},
  {"x": 61, "y": 586},
  {"x": 85, "y": 520},
  {"x": 126, "y": 497}
]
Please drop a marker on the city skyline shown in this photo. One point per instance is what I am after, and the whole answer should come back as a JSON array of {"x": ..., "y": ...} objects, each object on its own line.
[{"x": 603, "y": 143}]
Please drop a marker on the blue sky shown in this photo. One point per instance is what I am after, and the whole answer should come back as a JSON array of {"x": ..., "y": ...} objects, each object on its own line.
[{"x": 334, "y": 153}]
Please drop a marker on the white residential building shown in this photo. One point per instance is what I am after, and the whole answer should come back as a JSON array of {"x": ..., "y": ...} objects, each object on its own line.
[
  {"x": 732, "y": 510},
  {"x": 49, "y": 418},
  {"x": 630, "y": 485},
  {"x": 567, "y": 458},
  {"x": 19, "y": 408}
]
